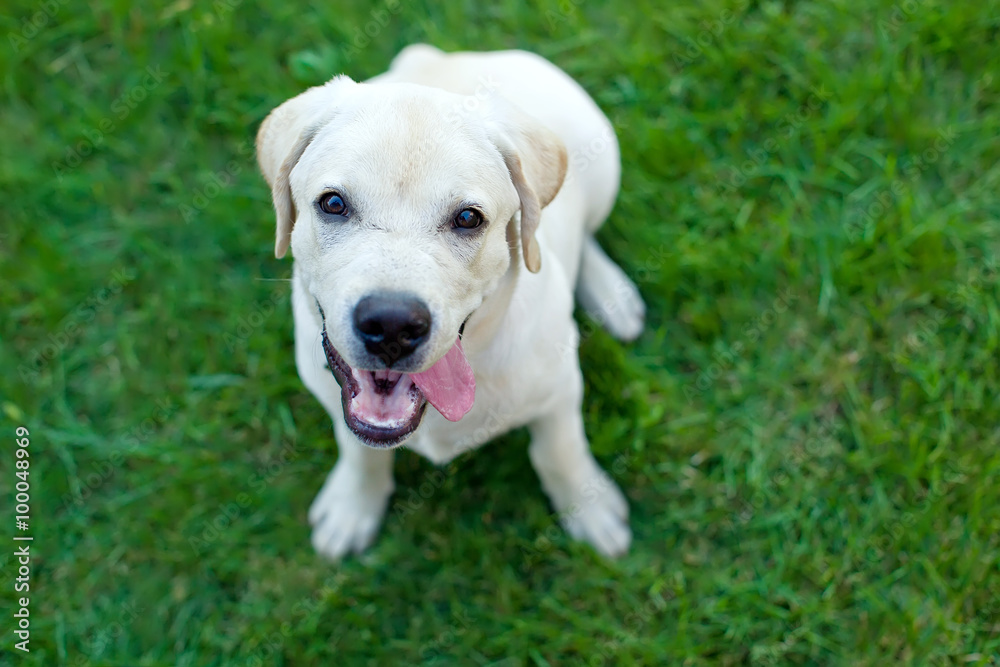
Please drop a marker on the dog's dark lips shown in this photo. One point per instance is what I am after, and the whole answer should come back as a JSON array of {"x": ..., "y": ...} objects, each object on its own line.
[{"x": 374, "y": 435}]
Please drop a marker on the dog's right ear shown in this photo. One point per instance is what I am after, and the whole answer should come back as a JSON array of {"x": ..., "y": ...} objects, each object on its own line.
[{"x": 283, "y": 138}]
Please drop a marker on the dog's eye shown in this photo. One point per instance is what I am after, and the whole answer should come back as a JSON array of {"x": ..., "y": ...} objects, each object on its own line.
[
  {"x": 333, "y": 203},
  {"x": 468, "y": 218}
]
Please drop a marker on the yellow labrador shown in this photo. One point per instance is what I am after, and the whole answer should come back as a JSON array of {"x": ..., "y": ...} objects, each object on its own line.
[{"x": 441, "y": 216}]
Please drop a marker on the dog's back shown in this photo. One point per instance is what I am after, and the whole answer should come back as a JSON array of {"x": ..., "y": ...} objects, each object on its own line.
[{"x": 540, "y": 89}]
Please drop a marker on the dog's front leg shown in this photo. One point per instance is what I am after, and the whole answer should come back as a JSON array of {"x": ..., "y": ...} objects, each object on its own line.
[
  {"x": 589, "y": 504},
  {"x": 348, "y": 511},
  {"x": 346, "y": 514}
]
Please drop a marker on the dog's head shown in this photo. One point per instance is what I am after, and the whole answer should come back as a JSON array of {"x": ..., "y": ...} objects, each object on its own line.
[{"x": 400, "y": 208}]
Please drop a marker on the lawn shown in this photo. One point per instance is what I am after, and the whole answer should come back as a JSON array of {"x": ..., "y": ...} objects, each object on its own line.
[{"x": 807, "y": 431}]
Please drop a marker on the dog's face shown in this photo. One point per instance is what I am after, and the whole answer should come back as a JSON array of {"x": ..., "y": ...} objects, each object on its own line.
[
  {"x": 399, "y": 207},
  {"x": 399, "y": 210}
]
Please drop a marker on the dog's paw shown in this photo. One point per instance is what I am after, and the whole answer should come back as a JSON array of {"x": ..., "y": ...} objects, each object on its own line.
[
  {"x": 624, "y": 315},
  {"x": 347, "y": 513},
  {"x": 609, "y": 296},
  {"x": 599, "y": 516}
]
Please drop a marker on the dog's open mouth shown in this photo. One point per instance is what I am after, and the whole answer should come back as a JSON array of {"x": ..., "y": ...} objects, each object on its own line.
[
  {"x": 383, "y": 407},
  {"x": 380, "y": 407}
]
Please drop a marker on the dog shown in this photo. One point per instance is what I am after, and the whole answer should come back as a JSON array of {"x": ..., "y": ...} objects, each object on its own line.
[{"x": 441, "y": 216}]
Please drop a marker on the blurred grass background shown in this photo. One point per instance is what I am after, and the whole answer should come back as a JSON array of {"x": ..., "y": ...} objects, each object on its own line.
[{"x": 807, "y": 432}]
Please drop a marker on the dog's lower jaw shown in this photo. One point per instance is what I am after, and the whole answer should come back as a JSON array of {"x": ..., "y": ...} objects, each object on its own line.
[{"x": 381, "y": 438}]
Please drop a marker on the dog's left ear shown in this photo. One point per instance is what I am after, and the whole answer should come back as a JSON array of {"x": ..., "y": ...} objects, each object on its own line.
[
  {"x": 283, "y": 138},
  {"x": 536, "y": 160}
]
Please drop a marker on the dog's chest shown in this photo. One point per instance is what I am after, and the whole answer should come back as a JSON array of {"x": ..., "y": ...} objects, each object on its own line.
[{"x": 501, "y": 404}]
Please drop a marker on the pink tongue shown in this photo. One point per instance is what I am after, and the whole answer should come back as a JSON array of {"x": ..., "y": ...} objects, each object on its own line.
[{"x": 449, "y": 385}]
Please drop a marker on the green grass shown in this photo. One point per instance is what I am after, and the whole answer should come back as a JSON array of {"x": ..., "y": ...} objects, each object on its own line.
[{"x": 807, "y": 431}]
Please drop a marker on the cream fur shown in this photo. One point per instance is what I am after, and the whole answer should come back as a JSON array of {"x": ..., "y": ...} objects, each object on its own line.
[{"x": 516, "y": 135}]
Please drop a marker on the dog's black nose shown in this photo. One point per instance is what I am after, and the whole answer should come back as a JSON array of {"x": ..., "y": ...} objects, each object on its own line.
[{"x": 391, "y": 326}]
